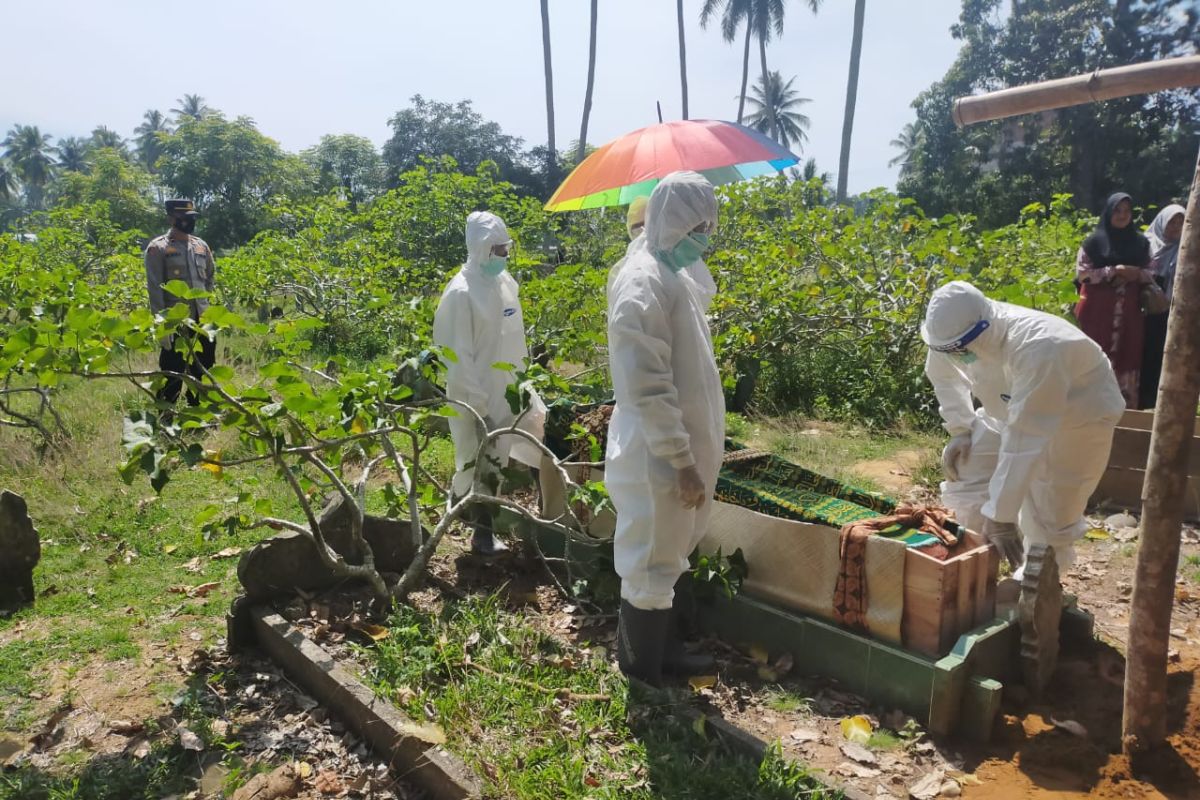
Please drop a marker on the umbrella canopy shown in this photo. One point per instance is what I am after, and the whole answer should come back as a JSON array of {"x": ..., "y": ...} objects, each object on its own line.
[{"x": 632, "y": 165}]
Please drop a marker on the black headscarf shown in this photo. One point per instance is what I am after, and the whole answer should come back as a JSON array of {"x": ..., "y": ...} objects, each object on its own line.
[{"x": 1109, "y": 247}]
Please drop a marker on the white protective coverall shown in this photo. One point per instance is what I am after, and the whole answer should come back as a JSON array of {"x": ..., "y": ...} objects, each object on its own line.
[
  {"x": 479, "y": 319},
  {"x": 1049, "y": 404},
  {"x": 670, "y": 409}
]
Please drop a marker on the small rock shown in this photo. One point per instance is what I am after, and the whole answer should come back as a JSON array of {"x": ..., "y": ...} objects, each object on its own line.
[
  {"x": 1126, "y": 534},
  {"x": 281, "y": 783},
  {"x": 1118, "y": 521},
  {"x": 928, "y": 787},
  {"x": 805, "y": 735},
  {"x": 950, "y": 789},
  {"x": 852, "y": 770},
  {"x": 859, "y": 753}
]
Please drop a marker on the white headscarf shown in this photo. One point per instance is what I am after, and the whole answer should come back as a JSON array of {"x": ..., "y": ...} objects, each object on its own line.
[{"x": 1164, "y": 253}]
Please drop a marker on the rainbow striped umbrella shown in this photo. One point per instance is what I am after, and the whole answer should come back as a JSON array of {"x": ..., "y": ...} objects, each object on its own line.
[{"x": 631, "y": 166}]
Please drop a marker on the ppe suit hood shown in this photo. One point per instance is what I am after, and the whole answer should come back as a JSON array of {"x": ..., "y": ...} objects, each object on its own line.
[
  {"x": 484, "y": 231},
  {"x": 954, "y": 309},
  {"x": 680, "y": 202}
]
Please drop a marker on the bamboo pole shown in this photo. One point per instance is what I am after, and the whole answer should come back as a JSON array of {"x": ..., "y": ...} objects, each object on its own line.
[
  {"x": 1144, "y": 724},
  {"x": 1104, "y": 84}
]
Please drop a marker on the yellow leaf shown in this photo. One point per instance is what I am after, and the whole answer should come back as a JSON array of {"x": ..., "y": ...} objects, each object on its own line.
[
  {"x": 358, "y": 426},
  {"x": 216, "y": 469},
  {"x": 1096, "y": 534},
  {"x": 759, "y": 654},
  {"x": 856, "y": 729},
  {"x": 699, "y": 682},
  {"x": 304, "y": 769},
  {"x": 170, "y": 548},
  {"x": 375, "y": 632},
  {"x": 698, "y": 725}
]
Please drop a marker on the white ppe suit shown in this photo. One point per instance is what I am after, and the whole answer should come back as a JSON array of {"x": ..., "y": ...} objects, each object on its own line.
[
  {"x": 479, "y": 319},
  {"x": 1049, "y": 404},
  {"x": 670, "y": 410}
]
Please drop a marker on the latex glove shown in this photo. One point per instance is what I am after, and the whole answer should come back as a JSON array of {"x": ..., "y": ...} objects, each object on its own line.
[
  {"x": 1004, "y": 537},
  {"x": 957, "y": 451},
  {"x": 690, "y": 487}
]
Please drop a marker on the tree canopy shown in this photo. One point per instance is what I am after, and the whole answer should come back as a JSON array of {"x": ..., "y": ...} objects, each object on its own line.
[{"x": 1140, "y": 144}]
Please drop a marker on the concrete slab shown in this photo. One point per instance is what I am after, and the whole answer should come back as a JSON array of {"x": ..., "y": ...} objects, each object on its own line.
[{"x": 412, "y": 749}]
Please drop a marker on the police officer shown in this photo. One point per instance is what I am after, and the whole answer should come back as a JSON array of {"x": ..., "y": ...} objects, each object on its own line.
[{"x": 177, "y": 255}]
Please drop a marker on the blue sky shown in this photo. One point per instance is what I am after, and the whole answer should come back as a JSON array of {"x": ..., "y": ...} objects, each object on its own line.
[{"x": 305, "y": 68}]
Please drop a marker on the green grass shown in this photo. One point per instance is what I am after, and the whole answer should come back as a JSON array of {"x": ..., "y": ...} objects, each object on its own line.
[
  {"x": 833, "y": 448},
  {"x": 1192, "y": 568},
  {"x": 91, "y": 604},
  {"x": 786, "y": 702},
  {"x": 883, "y": 739},
  {"x": 529, "y": 743}
]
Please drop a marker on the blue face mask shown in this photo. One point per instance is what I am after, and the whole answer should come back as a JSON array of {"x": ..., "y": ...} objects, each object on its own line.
[
  {"x": 493, "y": 265},
  {"x": 688, "y": 251}
]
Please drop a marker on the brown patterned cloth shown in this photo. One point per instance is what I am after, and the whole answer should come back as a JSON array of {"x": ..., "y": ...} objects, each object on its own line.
[{"x": 850, "y": 594}]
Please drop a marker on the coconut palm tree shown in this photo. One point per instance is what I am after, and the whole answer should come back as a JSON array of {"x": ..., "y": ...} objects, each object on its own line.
[
  {"x": 9, "y": 185},
  {"x": 591, "y": 81},
  {"x": 551, "y": 153},
  {"x": 73, "y": 154},
  {"x": 191, "y": 107},
  {"x": 148, "y": 136},
  {"x": 682, "y": 57},
  {"x": 733, "y": 14},
  {"x": 860, "y": 10},
  {"x": 767, "y": 19},
  {"x": 106, "y": 137},
  {"x": 30, "y": 152},
  {"x": 908, "y": 143},
  {"x": 815, "y": 193},
  {"x": 776, "y": 105}
]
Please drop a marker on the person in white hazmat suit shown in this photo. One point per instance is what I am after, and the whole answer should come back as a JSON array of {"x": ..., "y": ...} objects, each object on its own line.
[
  {"x": 666, "y": 437},
  {"x": 1032, "y": 454},
  {"x": 479, "y": 319}
]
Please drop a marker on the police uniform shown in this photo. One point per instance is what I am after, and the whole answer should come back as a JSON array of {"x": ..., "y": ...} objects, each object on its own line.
[{"x": 177, "y": 256}]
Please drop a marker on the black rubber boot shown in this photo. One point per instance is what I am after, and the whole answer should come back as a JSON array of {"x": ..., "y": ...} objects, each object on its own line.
[
  {"x": 483, "y": 537},
  {"x": 676, "y": 659},
  {"x": 641, "y": 639}
]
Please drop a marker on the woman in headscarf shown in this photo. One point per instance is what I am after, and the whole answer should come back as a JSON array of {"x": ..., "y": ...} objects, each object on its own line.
[
  {"x": 1110, "y": 269},
  {"x": 1164, "y": 235}
]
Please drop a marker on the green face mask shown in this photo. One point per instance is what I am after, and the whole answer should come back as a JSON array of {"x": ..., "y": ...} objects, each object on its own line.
[
  {"x": 493, "y": 265},
  {"x": 688, "y": 251}
]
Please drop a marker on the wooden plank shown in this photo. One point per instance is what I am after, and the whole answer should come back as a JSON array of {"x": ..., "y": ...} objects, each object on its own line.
[
  {"x": 1131, "y": 449},
  {"x": 948, "y": 634},
  {"x": 984, "y": 609},
  {"x": 1144, "y": 421},
  {"x": 964, "y": 605},
  {"x": 921, "y": 625},
  {"x": 1122, "y": 489}
]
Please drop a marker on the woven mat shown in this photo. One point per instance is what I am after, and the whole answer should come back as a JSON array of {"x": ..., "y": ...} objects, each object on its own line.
[
  {"x": 795, "y": 565},
  {"x": 762, "y": 482}
]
